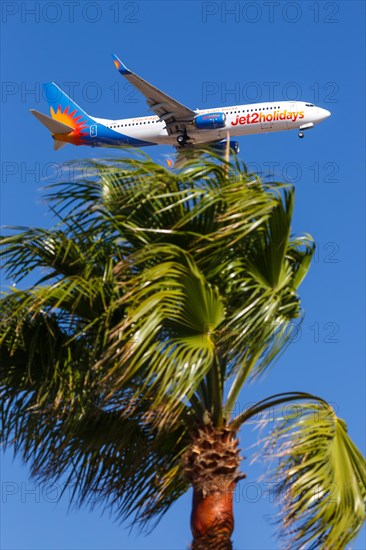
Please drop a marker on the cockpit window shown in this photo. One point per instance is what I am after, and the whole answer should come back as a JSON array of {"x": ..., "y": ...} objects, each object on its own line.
[{"x": 309, "y": 105}]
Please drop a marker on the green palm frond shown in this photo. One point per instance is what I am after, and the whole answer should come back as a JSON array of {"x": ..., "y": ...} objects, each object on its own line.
[
  {"x": 175, "y": 324},
  {"x": 57, "y": 253},
  {"x": 267, "y": 263},
  {"x": 40, "y": 370},
  {"x": 144, "y": 201},
  {"x": 155, "y": 288},
  {"x": 299, "y": 255},
  {"x": 260, "y": 325},
  {"x": 320, "y": 479},
  {"x": 107, "y": 460},
  {"x": 124, "y": 464},
  {"x": 167, "y": 338}
]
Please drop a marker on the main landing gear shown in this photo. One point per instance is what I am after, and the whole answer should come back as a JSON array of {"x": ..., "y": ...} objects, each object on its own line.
[{"x": 182, "y": 140}]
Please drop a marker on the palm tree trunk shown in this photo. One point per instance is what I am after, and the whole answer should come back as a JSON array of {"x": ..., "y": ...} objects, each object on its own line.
[
  {"x": 212, "y": 519},
  {"x": 212, "y": 466}
]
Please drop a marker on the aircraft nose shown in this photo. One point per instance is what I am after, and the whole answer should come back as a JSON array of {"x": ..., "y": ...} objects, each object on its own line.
[{"x": 324, "y": 113}]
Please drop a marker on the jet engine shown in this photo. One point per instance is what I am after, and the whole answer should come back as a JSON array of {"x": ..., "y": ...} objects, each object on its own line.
[
  {"x": 210, "y": 121},
  {"x": 220, "y": 147}
]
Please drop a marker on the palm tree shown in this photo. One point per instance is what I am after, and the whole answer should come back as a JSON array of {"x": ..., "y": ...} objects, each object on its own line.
[{"x": 160, "y": 294}]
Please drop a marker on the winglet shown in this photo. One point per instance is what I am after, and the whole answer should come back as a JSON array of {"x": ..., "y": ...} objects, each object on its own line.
[{"x": 119, "y": 65}]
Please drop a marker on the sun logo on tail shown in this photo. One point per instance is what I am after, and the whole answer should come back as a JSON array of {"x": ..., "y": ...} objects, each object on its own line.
[{"x": 73, "y": 120}]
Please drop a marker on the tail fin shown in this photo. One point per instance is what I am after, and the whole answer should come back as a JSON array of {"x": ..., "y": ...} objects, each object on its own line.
[
  {"x": 68, "y": 122},
  {"x": 62, "y": 106}
]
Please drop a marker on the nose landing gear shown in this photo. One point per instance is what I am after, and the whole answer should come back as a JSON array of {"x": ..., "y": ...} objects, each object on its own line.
[{"x": 305, "y": 127}]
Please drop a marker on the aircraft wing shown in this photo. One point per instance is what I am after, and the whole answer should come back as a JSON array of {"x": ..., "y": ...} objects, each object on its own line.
[{"x": 175, "y": 115}]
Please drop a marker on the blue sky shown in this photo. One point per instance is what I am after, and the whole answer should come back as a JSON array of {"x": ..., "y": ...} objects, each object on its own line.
[{"x": 205, "y": 54}]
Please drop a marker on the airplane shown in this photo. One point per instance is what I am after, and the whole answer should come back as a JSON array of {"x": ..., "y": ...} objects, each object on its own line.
[{"x": 173, "y": 123}]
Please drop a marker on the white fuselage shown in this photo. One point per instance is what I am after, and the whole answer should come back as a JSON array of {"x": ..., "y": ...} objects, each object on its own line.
[{"x": 241, "y": 120}]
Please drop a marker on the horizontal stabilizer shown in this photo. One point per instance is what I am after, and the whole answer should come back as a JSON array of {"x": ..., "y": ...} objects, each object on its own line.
[{"x": 54, "y": 126}]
